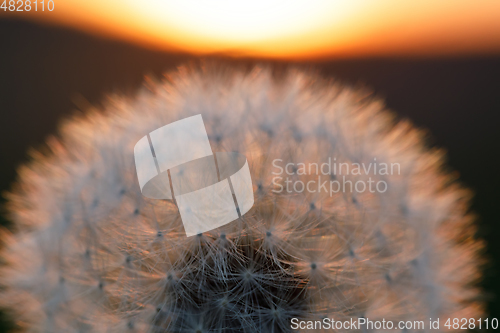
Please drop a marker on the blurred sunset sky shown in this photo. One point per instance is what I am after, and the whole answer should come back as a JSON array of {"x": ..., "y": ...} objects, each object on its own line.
[{"x": 288, "y": 29}]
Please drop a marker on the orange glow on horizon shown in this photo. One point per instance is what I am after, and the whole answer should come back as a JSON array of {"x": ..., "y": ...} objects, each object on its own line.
[{"x": 289, "y": 28}]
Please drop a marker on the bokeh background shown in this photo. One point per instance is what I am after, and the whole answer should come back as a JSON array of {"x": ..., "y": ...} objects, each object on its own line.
[{"x": 438, "y": 66}]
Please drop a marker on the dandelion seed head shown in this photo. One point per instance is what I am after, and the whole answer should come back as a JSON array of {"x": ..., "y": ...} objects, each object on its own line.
[{"x": 89, "y": 253}]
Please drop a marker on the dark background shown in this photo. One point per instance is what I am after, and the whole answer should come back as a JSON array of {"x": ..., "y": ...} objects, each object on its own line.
[{"x": 47, "y": 73}]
